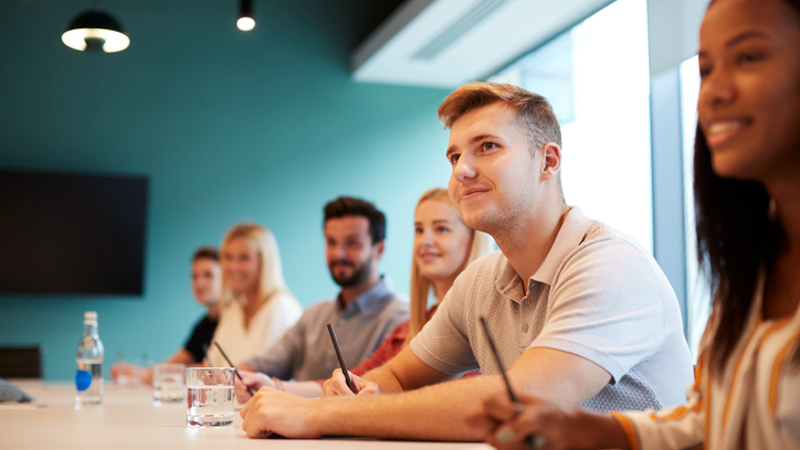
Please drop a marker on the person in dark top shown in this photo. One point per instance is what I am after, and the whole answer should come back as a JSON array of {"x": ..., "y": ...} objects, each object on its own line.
[{"x": 206, "y": 287}]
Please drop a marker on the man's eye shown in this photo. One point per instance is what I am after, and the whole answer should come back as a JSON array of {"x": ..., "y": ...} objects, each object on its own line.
[
  {"x": 442, "y": 229},
  {"x": 454, "y": 158},
  {"x": 488, "y": 145}
]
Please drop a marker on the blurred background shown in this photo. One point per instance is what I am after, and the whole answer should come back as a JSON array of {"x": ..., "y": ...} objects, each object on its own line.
[{"x": 327, "y": 98}]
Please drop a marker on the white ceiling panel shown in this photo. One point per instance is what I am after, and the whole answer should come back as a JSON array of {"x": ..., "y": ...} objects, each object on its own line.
[{"x": 446, "y": 43}]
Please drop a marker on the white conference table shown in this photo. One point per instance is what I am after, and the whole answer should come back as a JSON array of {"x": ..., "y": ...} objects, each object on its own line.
[{"x": 128, "y": 419}]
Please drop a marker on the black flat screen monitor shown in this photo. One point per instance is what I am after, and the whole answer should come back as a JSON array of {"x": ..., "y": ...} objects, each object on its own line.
[{"x": 72, "y": 234}]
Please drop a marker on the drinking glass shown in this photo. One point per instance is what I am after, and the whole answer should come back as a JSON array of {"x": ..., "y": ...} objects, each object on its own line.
[
  {"x": 209, "y": 392},
  {"x": 168, "y": 383}
]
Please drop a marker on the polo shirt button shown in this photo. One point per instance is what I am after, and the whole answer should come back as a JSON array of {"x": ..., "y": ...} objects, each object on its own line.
[{"x": 524, "y": 328}]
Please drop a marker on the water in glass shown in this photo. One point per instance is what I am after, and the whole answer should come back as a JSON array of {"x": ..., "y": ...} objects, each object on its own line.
[{"x": 210, "y": 406}]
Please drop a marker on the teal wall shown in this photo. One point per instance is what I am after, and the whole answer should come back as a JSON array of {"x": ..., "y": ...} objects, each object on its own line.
[{"x": 228, "y": 126}]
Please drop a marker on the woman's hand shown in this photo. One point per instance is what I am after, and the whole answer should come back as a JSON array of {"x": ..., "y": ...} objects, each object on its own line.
[
  {"x": 336, "y": 386},
  {"x": 254, "y": 380},
  {"x": 540, "y": 425},
  {"x": 125, "y": 372}
]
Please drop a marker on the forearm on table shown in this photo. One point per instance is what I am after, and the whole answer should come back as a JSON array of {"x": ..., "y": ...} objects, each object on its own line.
[
  {"x": 385, "y": 378},
  {"x": 182, "y": 356},
  {"x": 273, "y": 366},
  {"x": 308, "y": 389},
  {"x": 405, "y": 372},
  {"x": 438, "y": 412}
]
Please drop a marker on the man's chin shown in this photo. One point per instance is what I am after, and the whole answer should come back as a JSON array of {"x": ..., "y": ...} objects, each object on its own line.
[
  {"x": 341, "y": 279},
  {"x": 477, "y": 221}
]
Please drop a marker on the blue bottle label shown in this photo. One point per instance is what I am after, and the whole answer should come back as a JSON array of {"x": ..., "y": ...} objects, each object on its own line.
[{"x": 83, "y": 380}]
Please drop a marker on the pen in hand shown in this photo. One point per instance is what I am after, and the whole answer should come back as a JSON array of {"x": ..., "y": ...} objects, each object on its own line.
[
  {"x": 249, "y": 391},
  {"x": 535, "y": 441},
  {"x": 341, "y": 359}
]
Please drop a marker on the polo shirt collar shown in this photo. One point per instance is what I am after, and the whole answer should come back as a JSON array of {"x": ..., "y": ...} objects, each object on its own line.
[
  {"x": 569, "y": 237},
  {"x": 370, "y": 299}
]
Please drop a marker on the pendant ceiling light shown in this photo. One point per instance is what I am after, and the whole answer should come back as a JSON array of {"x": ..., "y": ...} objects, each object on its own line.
[
  {"x": 245, "y": 22},
  {"x": 95, "y": 30}
]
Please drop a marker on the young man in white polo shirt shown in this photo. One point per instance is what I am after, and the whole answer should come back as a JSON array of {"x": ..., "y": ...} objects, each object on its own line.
[{"x": 581, "y": 314}]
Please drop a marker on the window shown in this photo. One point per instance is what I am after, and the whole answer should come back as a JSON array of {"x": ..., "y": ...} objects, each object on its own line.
[
  {"x": 698, "y": 296},
  {"x": 597, "y": 77}
]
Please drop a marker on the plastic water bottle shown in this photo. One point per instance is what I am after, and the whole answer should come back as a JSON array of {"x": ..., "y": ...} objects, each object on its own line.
[{"x": 89, "y": 358}]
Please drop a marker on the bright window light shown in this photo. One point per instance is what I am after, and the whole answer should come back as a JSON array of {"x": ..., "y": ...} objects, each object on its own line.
[
  {"x": 597, "y": 77},
  {"x": 698, "y": 293}
]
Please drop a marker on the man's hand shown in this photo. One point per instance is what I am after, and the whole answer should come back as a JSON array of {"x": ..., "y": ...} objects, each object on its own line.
[
  {"x": 276, "y": 412},
  {"x": 336, "y": 386},
  {"x": 255, "y": 380}
]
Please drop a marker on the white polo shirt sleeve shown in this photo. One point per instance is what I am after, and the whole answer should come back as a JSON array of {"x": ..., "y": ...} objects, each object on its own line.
[{"x": 607, "y": 305}]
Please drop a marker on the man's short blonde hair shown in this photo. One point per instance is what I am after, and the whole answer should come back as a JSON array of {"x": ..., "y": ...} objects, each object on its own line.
[{"x": 534, "y": 113}]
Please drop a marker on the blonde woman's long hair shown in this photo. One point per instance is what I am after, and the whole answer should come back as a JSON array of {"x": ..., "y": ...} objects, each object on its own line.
[
  {"x": 481, "y": 245},
  {"x": 270, "y": 279}
]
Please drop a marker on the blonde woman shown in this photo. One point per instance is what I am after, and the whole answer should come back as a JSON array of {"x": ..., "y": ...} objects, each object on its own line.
[
  {"x": 258, "y": 307},
  {"x": 443, "y": 247}
]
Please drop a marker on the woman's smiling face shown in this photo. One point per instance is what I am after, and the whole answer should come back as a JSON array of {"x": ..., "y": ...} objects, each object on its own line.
[
  {"x": 441, "y": 240},
  {"x": 241, "y": 265},
  {"x": 749, "y": 104}
]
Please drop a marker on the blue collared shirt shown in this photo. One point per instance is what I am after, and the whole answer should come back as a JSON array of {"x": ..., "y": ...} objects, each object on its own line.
[{"x": 305, "y": 352}]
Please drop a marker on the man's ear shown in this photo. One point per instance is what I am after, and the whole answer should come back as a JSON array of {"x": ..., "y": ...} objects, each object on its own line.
[
  {"x": 551, "y": 160},
  {"x": 379, "y": 247}
]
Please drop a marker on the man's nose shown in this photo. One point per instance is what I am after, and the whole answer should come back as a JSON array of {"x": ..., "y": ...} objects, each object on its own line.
[
  {"x": 337, "y": 251},
  {"x": 464, "y": 168}
]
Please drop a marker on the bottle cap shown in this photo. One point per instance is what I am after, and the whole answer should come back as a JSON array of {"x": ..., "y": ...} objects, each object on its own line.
[{"x": 90, "y": 316}]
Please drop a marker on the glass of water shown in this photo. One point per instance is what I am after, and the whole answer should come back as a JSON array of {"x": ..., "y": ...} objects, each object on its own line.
[
  {"x": 209, "y": 392},
  {"x": 168, "y": 383}
]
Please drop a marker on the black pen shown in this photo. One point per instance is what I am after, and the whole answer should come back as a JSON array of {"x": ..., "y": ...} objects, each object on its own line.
[
  {"x": 534, "y": 440},
  {"x": 249, "y": 391},
  {"x": 341, "y": 358}
]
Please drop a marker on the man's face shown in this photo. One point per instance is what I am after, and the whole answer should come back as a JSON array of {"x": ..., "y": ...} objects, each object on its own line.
[
  {"x": 351, "y": 256},
  {"x": 206, "y": 281},
  {"x": 495, "y": 173}
]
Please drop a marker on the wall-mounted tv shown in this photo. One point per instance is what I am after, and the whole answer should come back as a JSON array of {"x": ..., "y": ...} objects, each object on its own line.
[{"x": 72, "y": 233}]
